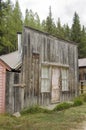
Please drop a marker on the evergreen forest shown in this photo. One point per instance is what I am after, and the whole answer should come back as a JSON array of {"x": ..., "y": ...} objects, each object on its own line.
[{"x": 12, "y": 21}]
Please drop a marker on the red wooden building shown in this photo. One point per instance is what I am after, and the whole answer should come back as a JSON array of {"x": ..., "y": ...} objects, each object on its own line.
[{"x": 3, "y": 68}]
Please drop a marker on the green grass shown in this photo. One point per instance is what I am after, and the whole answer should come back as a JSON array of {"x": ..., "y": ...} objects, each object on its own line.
[
  {"x": 61, "y": 120},
  {"x": 63, "y": 117}
]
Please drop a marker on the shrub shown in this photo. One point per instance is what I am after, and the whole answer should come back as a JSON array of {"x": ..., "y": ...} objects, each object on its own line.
[
  {"x": 62, "y": 106},
  {"x": 35, "y": 109},
  {"x": 83, "y": 97},
  {"x": 77, "y": 102}
]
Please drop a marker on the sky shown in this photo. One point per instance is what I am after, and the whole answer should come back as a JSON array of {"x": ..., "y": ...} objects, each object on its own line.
[{"x": 63, "y": 9}]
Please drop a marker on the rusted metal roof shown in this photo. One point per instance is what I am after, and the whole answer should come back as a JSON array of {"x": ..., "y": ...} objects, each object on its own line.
[
  {"x": 11, "y": 59},
  {"x": 82, "y": 62}
]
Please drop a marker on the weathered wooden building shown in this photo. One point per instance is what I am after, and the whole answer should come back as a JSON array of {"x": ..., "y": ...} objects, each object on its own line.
[
  {"x": 47, "y": 73},
  {"x": 49, "y": 69},
  {"x": 82, "y": 75}
]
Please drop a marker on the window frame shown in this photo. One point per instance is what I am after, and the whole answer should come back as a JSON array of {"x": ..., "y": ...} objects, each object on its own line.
[
  {"x": 65, "y": 79},
  {"x": 45, "y": 79}
]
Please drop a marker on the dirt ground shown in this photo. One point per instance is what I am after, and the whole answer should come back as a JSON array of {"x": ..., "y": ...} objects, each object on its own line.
[
  {"x": 80, "y": 126},
  {"x": 84, "y": 125}
]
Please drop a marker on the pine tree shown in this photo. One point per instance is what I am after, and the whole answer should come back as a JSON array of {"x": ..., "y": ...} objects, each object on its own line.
[
  {"x": 60, "y": 29},
  {"x": 67, "y": 32},
  {"x": 6, "y": 45},
  {"x": 37, "y": 21},
  {"x": 29, "y": 18},
  {"x": 43, "y": 25},
  {"x": 32, "y": 19},
  {"x": 49, "y": 23},
  {"x": 26, "y": 20},
  {"x": 2, "y": 15},
  {"x": 17, "y": 23},
  {"x": 76, "y": 29},
  {"x": 11, "y": 23},
  {"x": 82, "y": 44}
]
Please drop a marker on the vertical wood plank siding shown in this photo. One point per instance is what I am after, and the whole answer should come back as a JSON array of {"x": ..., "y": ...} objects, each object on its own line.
[
  {"x": 38, "y": 49},
  {"x": 13, "y": 93}
]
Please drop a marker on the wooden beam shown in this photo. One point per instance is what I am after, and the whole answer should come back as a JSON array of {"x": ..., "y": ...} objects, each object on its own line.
[
  {"x": 55, "y": 64},
  {"x": 19, "y": 85}
]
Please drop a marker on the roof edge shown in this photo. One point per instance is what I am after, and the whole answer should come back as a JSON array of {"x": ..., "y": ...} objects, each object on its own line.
[
  {"x": 46, "y": 33},
  {"x": 5, "y": 64}
]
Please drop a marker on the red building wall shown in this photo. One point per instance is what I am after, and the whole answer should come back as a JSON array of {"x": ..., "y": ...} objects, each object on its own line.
[
  {"x": 3, "y": 68},
  {"x": 2, "y": 88}
]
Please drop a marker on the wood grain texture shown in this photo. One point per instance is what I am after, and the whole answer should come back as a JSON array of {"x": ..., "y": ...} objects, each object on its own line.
[{"x": 45, "y": 50}]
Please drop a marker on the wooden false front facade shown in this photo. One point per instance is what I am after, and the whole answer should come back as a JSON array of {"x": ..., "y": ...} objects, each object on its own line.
[
  {"x": 49, "y": 69},
  {"x": 48, "y": 73}
]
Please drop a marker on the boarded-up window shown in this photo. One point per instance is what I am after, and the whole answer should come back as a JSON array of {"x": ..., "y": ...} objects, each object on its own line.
[
  {"x": 64, "y": 73},
  {"x": 55, "y": 97},
  {"x": 45, "y": 82}
]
